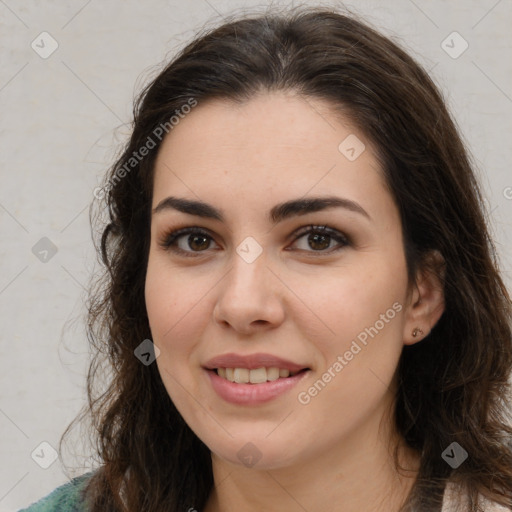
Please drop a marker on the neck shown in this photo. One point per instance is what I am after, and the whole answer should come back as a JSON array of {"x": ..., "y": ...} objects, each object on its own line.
[{"x": 357, "y": 474}]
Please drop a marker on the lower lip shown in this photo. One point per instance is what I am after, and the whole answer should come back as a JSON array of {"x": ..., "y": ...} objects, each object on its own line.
[{"x": 252, "y": 394}]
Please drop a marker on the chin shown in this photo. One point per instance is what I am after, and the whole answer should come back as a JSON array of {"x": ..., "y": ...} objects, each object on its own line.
[
  {"x": 260, "y": 448},
  {"x": 258, "y": 455}
]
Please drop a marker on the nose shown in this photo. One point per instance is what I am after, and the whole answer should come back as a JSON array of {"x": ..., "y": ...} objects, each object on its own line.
[{"x": 249, "y": 297}]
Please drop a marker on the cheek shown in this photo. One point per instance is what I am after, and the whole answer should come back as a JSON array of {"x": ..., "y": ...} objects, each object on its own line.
[
  {"x": 176, "y": 309},
  {"x": 347, "y": 302},
  {"x": 171, "y": 297},
  {"x": 363, "y": 309},
  {"x": 177, "y": 315},
  {"x": 368, "y": 302}
]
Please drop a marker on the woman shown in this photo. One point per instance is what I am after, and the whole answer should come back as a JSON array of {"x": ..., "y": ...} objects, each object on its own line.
[{"x": 302, "y": 306}]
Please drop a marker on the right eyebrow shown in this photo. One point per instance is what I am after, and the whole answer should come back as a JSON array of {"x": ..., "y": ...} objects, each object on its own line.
[{"x": 277, "y": 214}]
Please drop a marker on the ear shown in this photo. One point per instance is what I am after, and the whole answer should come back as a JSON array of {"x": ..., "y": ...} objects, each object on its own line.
[{"x": 426, "y": 299}]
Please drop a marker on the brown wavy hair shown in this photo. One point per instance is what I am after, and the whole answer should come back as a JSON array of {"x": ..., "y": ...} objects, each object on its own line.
[{"x": 453, "y": 385}]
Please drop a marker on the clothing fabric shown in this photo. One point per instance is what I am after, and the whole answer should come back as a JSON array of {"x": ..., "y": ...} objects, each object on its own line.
[
  {"x": 66, "y": 498},
  {"x": 69, "y": 498}
]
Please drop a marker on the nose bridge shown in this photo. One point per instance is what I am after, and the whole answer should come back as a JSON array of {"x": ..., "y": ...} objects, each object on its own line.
[
  {"x": 247, "y": 296},
  {"x": 248, "y": 269}
]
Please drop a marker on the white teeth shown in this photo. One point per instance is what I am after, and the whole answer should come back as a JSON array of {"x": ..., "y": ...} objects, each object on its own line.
[
  {"x": 255, "y": 376},
  {"x": 241, "y": 375},
  {"x": 258, "y": 376},
  {"x": 272, "y": 373}
]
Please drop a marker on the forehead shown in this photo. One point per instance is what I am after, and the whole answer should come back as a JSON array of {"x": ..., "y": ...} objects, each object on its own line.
[{"x": 273, "y": 144}]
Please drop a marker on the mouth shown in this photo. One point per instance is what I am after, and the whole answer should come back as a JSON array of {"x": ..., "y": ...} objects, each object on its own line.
[
  {"x": 255, "y": 386},
  {"x": 256, "y": 375},
  {"x": 253, "y": 379}
]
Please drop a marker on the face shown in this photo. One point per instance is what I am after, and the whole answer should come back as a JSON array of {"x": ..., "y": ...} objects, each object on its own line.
[{"x": 251, "y": 290}]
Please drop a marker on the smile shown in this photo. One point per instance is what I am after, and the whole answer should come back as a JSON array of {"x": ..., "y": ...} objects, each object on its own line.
[
  {"x": 255, "y": 376},
  {"x": 250, "y": 393}
]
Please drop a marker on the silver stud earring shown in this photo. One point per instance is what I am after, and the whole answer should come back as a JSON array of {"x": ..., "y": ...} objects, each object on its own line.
[{"x": 416, "y": 332}]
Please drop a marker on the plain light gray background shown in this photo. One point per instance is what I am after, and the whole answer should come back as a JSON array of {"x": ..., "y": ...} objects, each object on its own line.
[{"x": 62, "y": 119}]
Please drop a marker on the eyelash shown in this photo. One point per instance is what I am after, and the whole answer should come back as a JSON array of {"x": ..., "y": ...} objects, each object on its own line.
[{"x": 168, "y": 240}]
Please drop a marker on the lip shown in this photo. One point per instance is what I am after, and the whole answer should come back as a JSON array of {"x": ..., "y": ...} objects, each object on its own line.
[
  {"x": 251, "y": 362},
  {"x": 252, "y": 394}
]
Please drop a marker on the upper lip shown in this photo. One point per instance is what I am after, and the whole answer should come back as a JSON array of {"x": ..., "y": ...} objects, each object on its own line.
[{"x": 251, "y": 362}]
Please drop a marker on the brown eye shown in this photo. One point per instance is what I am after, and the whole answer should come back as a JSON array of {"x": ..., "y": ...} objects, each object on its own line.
[
  {"x": 187, "y": 241},
  {"x": 197, "y": 242},
  {"x": 319, "y": 242},
  {"x": 319, "y": 239},
  {"x": 316, "y": 239}
]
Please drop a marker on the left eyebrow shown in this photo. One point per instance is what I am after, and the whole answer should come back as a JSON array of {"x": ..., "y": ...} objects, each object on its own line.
[
  {"x": 278, "y": 213},
  {"x": 288, "y": 209}
]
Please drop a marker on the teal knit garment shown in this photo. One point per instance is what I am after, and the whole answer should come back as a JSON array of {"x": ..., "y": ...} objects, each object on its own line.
[{"x": 66, "y": 498}]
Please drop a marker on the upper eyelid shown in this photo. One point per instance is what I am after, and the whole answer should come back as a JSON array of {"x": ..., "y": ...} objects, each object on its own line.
[
  {"x": 296, "y": 234},
  {"x": 179, "y": 232}
]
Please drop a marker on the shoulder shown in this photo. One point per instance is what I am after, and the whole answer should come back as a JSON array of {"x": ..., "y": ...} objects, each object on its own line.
[
  {"x": 66, "y": 498},
  {"x": 455, "y": 501}
]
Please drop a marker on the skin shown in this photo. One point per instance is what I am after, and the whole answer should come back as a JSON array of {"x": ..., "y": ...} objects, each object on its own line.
[{"x": 293, "y": 301}]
